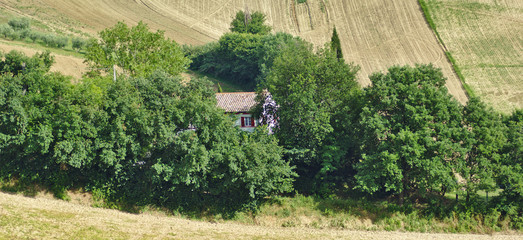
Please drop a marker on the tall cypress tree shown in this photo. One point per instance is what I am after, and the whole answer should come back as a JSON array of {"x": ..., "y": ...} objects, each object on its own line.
[{"x": 335, "y": 44}]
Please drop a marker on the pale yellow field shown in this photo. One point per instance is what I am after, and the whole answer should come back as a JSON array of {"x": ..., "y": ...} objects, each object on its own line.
[
  {"x": 375, "y": 34},
  {"x": 68, "y": 65},
  {"x": 486, "y": 39},
  {"x": 43, "y": 218}
]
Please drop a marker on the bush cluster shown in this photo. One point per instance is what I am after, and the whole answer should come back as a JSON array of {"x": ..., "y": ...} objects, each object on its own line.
[
  {"x": 20, "y": 29},
  {"x": 139, "y": 140}
]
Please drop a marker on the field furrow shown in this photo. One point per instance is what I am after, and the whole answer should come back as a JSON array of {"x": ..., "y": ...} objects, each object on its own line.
[
  {"x": 486, "y": 39},
  {"x": 375, "y": 34}
]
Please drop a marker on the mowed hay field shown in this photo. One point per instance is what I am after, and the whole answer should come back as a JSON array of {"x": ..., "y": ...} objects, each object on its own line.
[
  {"x": 486, "y": 39},
  {"x": 43, "y": 218},
  {"x": 375, "y": 34}
]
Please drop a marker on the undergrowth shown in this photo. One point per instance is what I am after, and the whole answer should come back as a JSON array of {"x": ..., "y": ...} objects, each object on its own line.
[{"x": 328, "y": 213}]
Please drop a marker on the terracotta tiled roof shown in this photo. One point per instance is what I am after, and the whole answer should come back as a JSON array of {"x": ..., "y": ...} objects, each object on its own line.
[{"x": 236, "y": 101}]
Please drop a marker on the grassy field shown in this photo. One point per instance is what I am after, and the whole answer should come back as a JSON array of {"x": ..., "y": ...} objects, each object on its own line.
[
  {"x": 375, "y": 34},
  {"x": 41, "y": 217},
  {"x": 486, "y": 39}
]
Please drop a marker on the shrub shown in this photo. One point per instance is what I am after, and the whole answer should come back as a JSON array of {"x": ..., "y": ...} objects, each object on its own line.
[
  {"x": 35, "y": 36},
  {"x": 19, "y": 23},
  {"x": 78, "y": 43},
  {"x": 52, "y": 40},
  {"x": 25, "y": 33},
  {"x": 6, "y": 30},
  {"x": 14, "y": 35}
]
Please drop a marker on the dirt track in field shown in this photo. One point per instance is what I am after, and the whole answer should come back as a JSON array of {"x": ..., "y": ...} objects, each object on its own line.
[
  {"x": 375, "y": 34},
  {"x": 42, "y": 218}
]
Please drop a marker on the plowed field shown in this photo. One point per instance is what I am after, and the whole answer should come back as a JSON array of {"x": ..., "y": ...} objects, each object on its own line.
[
  {"x": 486, "y": 39},
  {"x": 375, "y": 34}
]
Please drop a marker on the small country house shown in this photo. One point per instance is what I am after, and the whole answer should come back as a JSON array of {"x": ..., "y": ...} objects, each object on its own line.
[{"x": 239, "y": 104}]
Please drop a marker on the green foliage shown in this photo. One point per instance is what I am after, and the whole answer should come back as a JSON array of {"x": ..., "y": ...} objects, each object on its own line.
[
  {"x": 244, "y": 59},
  {"x": 244, "y": 22},
  {"x": 52, "y": 40},
  {"x": 19, "y": 23},
  {"x": 20, "y": 29},
  {"x": 485, "y": 142},
  {"x": 139, "y": 140},
  {"x": 428, "y": 18},
  {"x": 457, "y": 70},
  {"x": 78, "y": 43},
  {"x": 510, "y": 170},
  {"x": 6, "y": 31},
  {"x": 16, "y": 62},
  {"x": 136, "y": 50},
  {"x": 411, "y": 133},
  {"x": 335, "y": 44},
  {"x": 35, "y": 36},
  {"x": 42, "y": 131},
  {"x": 312, "y": 90}
]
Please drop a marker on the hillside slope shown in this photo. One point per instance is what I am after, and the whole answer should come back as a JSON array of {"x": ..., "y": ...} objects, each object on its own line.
[
  {"x": 68, "y": 65},
  {"x": 41, "y": 218},
  {"x": 375, "y": 34},
  {"x": 486, "y": 39}
]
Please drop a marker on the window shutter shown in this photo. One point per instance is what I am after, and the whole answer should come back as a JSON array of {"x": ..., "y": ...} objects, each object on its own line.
[
  {"x": 252, "y": 122},
  {"x": 243, "y": 121}
]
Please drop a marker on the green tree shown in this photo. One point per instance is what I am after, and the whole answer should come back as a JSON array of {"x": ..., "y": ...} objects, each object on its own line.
[
  {"x": 242, "y": 58},
  {"x": 165, "y": 142},
  {"x": 244, "y": 22},
  {"x": 335, "y": 44},
  {"x": 411, "y": 133},
  {"x": 510, "y": 171},
  {"x": 16, "y": 63},
  {"x": 310, "y": 89},
  {"x": 485, "y": 141},
  {"x": 136, "y": 50},
  {"x": 45, "y": 136},
  {"x": 78, "y": 43}
]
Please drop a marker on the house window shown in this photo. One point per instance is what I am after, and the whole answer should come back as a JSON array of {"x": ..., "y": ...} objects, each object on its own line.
[{"x": 247, "y": 122}]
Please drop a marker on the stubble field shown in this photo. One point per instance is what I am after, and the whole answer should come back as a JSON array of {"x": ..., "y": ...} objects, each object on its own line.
[
  {"x": 486, "y": 39},
  {"x": 375, "y": 34}
]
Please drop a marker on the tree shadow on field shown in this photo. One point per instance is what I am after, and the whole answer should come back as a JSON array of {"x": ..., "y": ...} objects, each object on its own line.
[{"x": 15, "y": 186}]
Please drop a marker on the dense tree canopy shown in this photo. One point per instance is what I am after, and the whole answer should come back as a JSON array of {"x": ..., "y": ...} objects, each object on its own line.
[
  {"x": 411, "y": 133},
  {"x": 242, "y": 58},
  {"x": 150, "y": 138},
  {"x": 510, "y": 171},
  {"x": 136, "y": 50},
  {"x": 144, "y": 139},
  {"x": 484, "y": 140},
  {"x": 244, "y": 22},
  {"x": 310, "y": 88}
]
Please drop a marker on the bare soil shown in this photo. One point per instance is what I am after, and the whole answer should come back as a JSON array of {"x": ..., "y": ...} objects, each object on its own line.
[{"x": 44, "y": 218}]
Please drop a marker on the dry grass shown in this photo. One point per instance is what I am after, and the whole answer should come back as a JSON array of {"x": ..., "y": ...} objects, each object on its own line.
[
  {"x": 68, "y": 65},
  {"x": 375, "y": 34},
  {"x": 43, "y": 218},
  {"x": 486, "y": 39}
]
